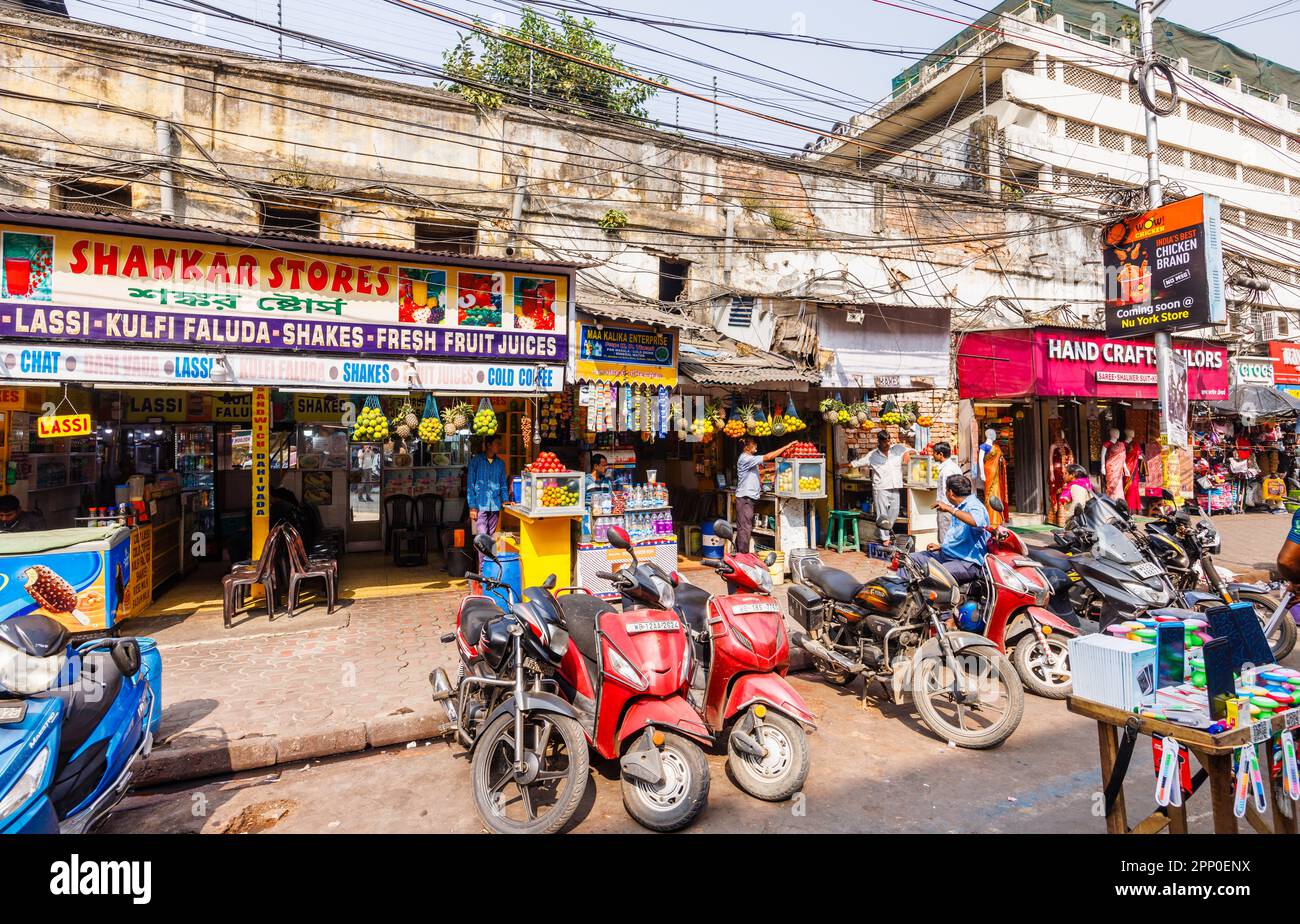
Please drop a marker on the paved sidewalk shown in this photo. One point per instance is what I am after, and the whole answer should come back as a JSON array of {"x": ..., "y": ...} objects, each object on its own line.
[{"x": 267, "y": 693}]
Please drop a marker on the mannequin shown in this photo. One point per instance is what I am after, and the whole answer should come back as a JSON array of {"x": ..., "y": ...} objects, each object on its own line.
[
  {"x": 1060, "y": 458},
  {"x": 994, "y": 467},
  {"x": 1132, "y": 471},
  {"x": 1114, "y": 460}
]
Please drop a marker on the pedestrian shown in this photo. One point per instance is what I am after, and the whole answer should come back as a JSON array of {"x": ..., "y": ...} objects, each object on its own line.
[
  {"x": 1077, "y": 491},
  {"x": 962, "y": 552},
  {"x": 748, "y": 489},
  {"x": 486, "y": 488},
  {"x": 886, "y": 462},
  {"x": 948, "y": 467},
  {"x": 1288, "y": 558}
]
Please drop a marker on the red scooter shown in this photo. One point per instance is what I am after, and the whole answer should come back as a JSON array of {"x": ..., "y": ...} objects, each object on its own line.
[
  {"x": 742, "y": 655},
  {"x": 626, "y": 675},
  {"x": 1012, "y": 605}
]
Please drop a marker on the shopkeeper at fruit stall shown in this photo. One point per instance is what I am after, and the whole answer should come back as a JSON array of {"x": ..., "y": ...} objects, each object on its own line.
[
  {"x": 486, "y": 487},
  {"x": 748, "y": 488},
  {"x": 886, "y": 462},
  {"x": 599, "y": 477}
]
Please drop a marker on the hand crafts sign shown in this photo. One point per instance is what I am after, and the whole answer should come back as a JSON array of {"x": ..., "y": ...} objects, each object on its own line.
[{"x": 75, "y": 285}]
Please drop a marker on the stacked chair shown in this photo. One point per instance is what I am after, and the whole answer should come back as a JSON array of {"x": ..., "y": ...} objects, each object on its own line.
[{"x": 285, "y": 562}]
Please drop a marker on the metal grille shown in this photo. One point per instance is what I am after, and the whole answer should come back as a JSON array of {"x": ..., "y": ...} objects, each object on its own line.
[
  {"x": 1263, "y": 179},
  {"x": 1092, "y": 81},
  {"x": 1203, "y": 116},
  {"x": 1208, "y": 163},
  {"x": 1266, "y": 224},
  {"x": 91, "y": 196},
  {"x": 1109, "y": 138},
  {"x": 1051, "y": 69},
  {"x": 1263, "y": 135},
  {"x": 1170, "y": 155},
  {"x": 1079, "y": 131}
]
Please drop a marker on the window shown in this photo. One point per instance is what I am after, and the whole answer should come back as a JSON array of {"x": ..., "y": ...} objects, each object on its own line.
[
  {"x": 672, "y": 279},
  {"x": 92, "y": 196},
  {"x": 741, "y": 312},
  {"x": 446, "y": 237},
  {"x": 290, "y": 218}
]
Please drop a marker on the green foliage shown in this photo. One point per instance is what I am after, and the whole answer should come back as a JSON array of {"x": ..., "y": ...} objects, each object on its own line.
[
  {"x": 487, "y": 70},
  {"x": 613, "y": 221}
]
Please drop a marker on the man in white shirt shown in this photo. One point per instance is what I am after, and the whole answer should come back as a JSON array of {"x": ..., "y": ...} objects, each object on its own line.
[
  {"x": 886, "y": 462},
  {"x": 948, "y": 466},
  {"x": 748, "y": 488}
]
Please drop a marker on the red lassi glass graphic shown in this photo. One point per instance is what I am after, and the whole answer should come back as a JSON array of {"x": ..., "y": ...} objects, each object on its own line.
[{"x": 18, "y": 276}]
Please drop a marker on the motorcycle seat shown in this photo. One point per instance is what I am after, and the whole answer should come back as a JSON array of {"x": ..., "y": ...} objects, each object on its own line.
[
  {"x": 693, "y": 603},
  {"x": 86, "y": 700},
  {"x": 1051, "y": 558},
  {"x": 475, "y": 613},
  {"x": 581, "y": 613},
  {"x": 837, "y": 584},
  {"x": 34, "y": 634}
]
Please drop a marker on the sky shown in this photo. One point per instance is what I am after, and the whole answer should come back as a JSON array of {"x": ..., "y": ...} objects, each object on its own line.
[{"x": 792, "y": 77}]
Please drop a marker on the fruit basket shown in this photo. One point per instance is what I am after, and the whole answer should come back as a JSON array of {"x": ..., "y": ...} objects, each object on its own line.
[
  {"x": 549, "y": 489},
  {"x": 801, "y": 474}
]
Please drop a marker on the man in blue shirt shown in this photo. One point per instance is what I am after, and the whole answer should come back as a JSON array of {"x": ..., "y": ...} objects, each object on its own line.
[
  {"x": 1288, "y": 559},
  {"x": 486, "y": 488},
  {"x": 967, "y": 537},
  {"x": 749, "y": 488}
]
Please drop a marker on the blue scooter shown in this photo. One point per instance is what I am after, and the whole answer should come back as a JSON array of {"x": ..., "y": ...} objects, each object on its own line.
[{"x": 73, "y": 722}]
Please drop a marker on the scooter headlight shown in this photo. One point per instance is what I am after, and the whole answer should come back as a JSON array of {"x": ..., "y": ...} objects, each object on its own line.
[
  {"x": 761, "y": 577},
  {"x": 665, "y": 592},
  {"x": 25, "y": 786},
  {"x": 620, "y": 667},
  {"x": 1146, "y": 594}
]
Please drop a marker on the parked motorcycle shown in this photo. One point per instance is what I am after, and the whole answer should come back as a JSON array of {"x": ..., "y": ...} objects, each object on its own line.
[
  {"x": 73, "y": 722},
  {"x": 741, "y": 655},
  {"x": 627, "y": 675},
  {"x": 528, "y": 754},
  {"x": 892, "y": 628},
  {"x": 1009, "y": 602},
  {"x": 1187, "y": 548}
]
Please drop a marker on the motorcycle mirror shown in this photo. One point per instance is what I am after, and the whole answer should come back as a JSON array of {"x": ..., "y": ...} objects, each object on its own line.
[
  {"x": 549, "y": 583},
  {"x": 722, "y": 529},
  {"x": 1166, "y": 494},
  {"x": 675, "y": 579},
  {"x": 617, "y": 537},
  {"x": 485, "y": 546},
  {"x": 769, "y": 559},
  {"x": 997, "y": 505}
]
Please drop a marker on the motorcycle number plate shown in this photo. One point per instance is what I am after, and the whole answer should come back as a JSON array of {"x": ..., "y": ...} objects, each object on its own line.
[
  {"x": 742, "y": 608},
  {"x": 1146, "y": 569},
  {"x": 658, "y": 625},
  {"x": 12, "y": 712}
]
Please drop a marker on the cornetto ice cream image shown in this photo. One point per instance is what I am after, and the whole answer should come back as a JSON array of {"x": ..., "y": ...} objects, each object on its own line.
[{"x": 53, "y": 593}]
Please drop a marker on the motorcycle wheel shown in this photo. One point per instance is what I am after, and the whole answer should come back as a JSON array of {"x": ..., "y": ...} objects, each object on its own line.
[
  {"x": 781, "y": 774},
  {"x": 1282, "y": 640},
  {"x": 984, "y": 724},
  {"x": 543, "y": 803},
  {"x": 679, "y": 797},
  {"x": 1045, "y": 673}
]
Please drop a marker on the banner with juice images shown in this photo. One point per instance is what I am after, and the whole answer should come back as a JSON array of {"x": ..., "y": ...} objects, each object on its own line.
[{"x": 72, "y": 285}]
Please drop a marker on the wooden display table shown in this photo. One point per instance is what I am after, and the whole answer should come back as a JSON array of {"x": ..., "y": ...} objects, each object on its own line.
[{"x": 1117, "y": 733}]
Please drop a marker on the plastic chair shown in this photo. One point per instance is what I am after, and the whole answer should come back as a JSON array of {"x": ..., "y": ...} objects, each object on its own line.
[
  {"x": 245, "y": 575},
  {"x": 430, "y": 515},
  {"x": 302, "y": 568},
  {"x": 399, "y": 513},
  {"x": 839, "y": 536}
]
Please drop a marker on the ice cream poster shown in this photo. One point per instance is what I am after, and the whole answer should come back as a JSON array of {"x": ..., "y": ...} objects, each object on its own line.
[{"x": 81, "y": 590}]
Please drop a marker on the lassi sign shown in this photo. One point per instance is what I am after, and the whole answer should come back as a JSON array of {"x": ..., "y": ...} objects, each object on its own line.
[
  {"x": 53, "y": 426},
  {"x": 78, "y": 286}
]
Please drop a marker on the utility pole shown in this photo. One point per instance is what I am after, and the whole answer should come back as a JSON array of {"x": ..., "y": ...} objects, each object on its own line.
[{"x": 1155, "y": 198}]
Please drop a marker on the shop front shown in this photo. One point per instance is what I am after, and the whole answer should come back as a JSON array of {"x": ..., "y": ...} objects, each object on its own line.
[
  {"x": 1037, "y": 400},
  {"x": 229, "y": 386}
]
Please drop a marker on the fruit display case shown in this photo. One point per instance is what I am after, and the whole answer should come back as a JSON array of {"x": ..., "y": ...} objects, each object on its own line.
[
  {"x": 801, "y": 478},
  {"x": 549, "y": 489},
  {"x": 922, "y": 472}
]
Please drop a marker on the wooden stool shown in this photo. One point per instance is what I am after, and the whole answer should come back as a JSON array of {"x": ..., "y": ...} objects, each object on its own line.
[{"x": 838, "y": 536}]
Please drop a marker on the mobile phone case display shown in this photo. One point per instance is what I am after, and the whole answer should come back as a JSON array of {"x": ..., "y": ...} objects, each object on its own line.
[{"x": 804, "y": 479}]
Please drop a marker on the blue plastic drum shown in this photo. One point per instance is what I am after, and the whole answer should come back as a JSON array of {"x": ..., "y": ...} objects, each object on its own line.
[
  {"x": 508, "y": 570},
  {"x": 711, "y": 544}
]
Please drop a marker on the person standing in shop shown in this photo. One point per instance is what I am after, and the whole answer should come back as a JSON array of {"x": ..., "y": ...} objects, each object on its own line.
[
  {"x": 748, "y": 489},
  {"x": 486, "y": 488},
  {"x": 886, "y": 462},
  {"x": 948, "y": 467}
]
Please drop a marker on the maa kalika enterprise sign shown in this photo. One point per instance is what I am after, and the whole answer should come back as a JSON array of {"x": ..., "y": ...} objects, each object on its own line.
[{"x": 74, "y": 285}]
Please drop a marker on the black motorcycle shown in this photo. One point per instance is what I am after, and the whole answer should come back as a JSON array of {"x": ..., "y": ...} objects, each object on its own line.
[
  {"x": 893, "y": 628},
  {"x": 529, "y": 759}
]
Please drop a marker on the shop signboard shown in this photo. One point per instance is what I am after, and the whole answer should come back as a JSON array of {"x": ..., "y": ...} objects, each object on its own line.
[
  {"x": 1059, "y": 363},
  {"x": 1254, "y": 370},
  {"x": 626, "y": 354},
  {"x": 54, "y": 362},
  {"x": 77, "y": 285},
  {"x": 57, "y": 426},
  {"x": 1164, "y": 269},
  {"x": 1286, "y": 363},
  {"x": 261, "y": 468}
]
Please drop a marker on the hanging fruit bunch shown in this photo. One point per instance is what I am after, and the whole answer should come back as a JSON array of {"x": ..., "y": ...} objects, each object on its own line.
[
  {"x": 456, "y": 418},
  {"x": 485, "y": 422},
  {"x": 834, "y": 411},
  {"x": 371, "y": 425},
  {"x": 406, "y": 421},
  {"x": 925, "y": 420},
  {"x": 525, "y": 429},
  {"x": 760, "y": 425},
  {"x": 703, "y": 428},
  {"x": 713, "y": 413}
]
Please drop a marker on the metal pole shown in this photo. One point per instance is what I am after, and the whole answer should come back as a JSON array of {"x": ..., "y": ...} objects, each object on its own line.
[{"x": 1155, "y": 198}]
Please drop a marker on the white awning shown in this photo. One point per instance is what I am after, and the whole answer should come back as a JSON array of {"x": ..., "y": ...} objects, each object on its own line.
[{"x": 876, "y": 346}]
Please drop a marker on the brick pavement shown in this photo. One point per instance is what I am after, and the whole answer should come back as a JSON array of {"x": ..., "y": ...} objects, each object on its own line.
[{"x": 248, "y": 701}]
